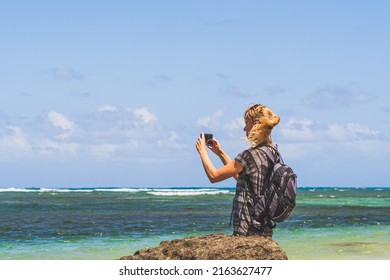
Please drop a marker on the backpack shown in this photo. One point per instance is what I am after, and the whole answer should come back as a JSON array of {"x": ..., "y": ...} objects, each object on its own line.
[{"x": 277, "y": 200}]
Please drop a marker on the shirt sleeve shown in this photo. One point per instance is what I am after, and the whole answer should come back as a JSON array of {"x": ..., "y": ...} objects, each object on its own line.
[{"x": 242, "y": 158}]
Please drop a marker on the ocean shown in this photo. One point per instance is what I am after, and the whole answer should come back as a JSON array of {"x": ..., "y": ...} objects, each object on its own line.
[{"x": 108, "y": 223}]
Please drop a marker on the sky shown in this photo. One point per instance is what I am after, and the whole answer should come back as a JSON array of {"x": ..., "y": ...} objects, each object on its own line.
[{"x": 115, "y": 93}]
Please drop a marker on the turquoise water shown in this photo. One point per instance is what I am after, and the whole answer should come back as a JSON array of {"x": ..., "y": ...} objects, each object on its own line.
[{"x": 327, "y": 223}]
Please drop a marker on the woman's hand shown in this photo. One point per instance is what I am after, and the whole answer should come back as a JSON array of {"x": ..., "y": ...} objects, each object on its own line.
[
  {"x": 201, "y": 144},
  {"x": 231, "y": 167},
  {"x": 216, "y": 147}
]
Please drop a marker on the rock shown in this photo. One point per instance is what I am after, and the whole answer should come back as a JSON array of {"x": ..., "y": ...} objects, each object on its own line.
[{"x": 213, "y": 247}]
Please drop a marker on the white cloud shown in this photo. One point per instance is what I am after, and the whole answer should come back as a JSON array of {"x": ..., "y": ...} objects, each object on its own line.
[
  {"x": 304, "y": 139},
  {"x": 113, "y": 151},
  {"x": 305, "y": 130},
  {"x": 51, "y": 148},
  {"x": 336, "y": 97},
  {"x": 171, "y": 141},
  {"x": 302, "y": 130},
  {"x": 107, "y": 108},
  {"x": 235, "y": 124},
  {"x": 104, "y": 151},
  {"x": 108, "y": 133},
  {"x": 134, "y": 136},
  {"x": 60, "y": 121},
  {"x": 145, "y": 115},
  {"x": 213, "y": 120},
  {"x": 361, "y": 132},
  {"x": 13, "y": 143}
]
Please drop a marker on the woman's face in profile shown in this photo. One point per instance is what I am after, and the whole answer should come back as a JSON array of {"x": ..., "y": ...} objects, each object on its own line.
[{"x": 248, "y": 126}]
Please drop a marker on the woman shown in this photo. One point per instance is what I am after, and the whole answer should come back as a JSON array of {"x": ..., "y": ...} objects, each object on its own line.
[{"x": 251, "y": 169}]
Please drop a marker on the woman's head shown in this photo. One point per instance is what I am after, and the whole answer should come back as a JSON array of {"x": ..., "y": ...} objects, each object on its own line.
[{"x": 259, "y": 122}]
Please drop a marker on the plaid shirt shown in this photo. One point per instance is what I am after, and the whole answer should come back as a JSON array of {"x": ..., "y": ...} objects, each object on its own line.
[{"x": 256, "y": 168}]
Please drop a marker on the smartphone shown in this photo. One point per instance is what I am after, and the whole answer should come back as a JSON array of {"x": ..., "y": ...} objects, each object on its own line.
[{"x": 209, "y": 139}]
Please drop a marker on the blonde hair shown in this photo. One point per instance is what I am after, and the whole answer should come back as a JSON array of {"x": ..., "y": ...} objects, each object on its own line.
[{"x": 264, "y": 120}]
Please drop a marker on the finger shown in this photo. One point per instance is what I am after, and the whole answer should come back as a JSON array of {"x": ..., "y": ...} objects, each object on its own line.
[{"x": 210, "y": 143}]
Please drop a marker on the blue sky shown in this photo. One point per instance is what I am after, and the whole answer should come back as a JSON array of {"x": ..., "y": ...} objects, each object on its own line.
[{"x": 115, "y": 93}]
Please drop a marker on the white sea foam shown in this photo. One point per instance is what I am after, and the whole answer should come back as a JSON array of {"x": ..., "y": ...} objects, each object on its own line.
[
  {"x": 187, "y": 192},
  {"x": 63, "y": 190},
  {"x": 121, "y": 190},
  {"x": 152, "y": 191},
  {"x": 16, "y": 190}
]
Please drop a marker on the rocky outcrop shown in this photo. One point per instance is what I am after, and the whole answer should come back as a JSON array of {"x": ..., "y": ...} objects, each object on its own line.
[{"x": 213, "y": 247}]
